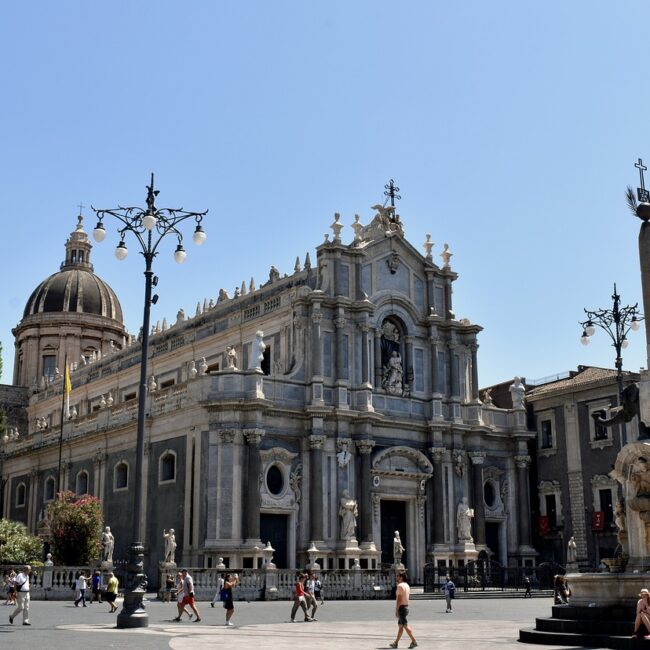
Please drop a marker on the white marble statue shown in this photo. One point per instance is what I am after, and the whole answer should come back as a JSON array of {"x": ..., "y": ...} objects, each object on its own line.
[
  {"x": 394, "y": 374},
  {"x": 517, "y": 391},
  {"x": 257, "y": 351},
  {"x": 571, "y": 551},
  {"x": 170, "y": 546},
  {"x": 348, "y": 512},
  {"x": 231, "y": 357},
  {"x": 464, "y": 516},
  {"x": 48, "y": 560},
  {"x": 398, "y": 549},
  {"x": 108, "y": 544}
]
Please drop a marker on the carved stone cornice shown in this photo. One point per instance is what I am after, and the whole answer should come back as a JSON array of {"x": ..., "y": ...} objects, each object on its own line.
[
  {"x": 317, "y": 441},
  {"x": 344, "y": 444},
  {"x": 226, "y": 435},
  {"x": 437, "y": 453},
  {"x": 364, "y": 446},
  {"x": 522, "y": 462},
  {"x": 421, "y": 502},
  {"x": 477, "y": 457},
  {"x": 277, "y": 454},
  {"x": 254, "y": 436}
]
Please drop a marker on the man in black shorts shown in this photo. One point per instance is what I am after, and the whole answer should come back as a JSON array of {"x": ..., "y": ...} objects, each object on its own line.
[{"x": 402, "y": 594}]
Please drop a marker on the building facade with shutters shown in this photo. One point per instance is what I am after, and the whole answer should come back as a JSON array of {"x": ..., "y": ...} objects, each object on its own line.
[{"x": 364, "y": 404}]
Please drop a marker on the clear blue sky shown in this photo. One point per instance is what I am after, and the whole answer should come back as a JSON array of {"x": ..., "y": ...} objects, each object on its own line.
[{"x": 511, "y": 128}]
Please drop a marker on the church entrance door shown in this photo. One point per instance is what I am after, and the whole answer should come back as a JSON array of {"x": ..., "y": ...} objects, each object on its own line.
[
  {"x": 274, "y": 529},
  {"x": 492, "y": 539},
  {"x": 393, "y": 517}
]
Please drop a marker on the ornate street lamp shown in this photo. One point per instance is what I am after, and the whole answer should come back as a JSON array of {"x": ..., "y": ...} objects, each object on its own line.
[
  {"x": 616, "y": 322},
  {"x": 149, "y": 226}
]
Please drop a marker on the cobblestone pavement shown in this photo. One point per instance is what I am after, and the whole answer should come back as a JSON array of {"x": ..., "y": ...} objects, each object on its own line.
[{"x": 486, "y": 624}]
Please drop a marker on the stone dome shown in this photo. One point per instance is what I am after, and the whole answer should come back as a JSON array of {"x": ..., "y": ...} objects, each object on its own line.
[{"x": 75, "y": 288}]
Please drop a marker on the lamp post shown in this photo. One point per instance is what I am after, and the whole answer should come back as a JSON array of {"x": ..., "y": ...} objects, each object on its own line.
[
  {"x": 616, "y": 322},
  {"x": 149, "y": 225}
]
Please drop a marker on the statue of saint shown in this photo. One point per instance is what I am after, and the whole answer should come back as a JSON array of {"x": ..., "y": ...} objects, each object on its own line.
[
  {"x": 348, "y": 512},
  {"x": 257, "y": 351},
  {"x": 398, "y": 549},
  {"x": 464, "y": 516},
  {"x": 170, "y": 546},
  {"x": 517, "y": 391},
  {"x": 393, "y": 374},
  {"x": 231, "y": 357},
  {"x": 108, "y": 544},
  {"x": 571, "y": 551}
]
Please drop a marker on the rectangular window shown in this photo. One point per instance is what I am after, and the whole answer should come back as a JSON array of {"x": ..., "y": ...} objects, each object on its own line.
[
  {"x": 442, "y": 372},
  {"x": 606, "y": 505},
  {"x": 601, "y": 432},
  {"x": 327, "y": 354},
  {"x": 551, "y": 510},
  {"x": 547, "y": 434},
  {"x": 49, "y": 366},
  {"x": 439, "y": 300}
]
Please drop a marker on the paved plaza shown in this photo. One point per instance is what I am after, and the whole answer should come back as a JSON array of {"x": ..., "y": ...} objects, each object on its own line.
[{"x": 364, "y": 625}]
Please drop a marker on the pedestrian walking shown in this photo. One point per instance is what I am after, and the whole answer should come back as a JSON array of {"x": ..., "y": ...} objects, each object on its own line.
[
  {"x": 450, "y": 593},
  {"x": 219, "y": 595},
  {"x": 11, "y": 587},
  {"x": 310, "y": 595},
  {"x": 180, "y": 594},
  {"x": 21, "y": 588},
  {"x": 299, "y": 599},
  {"x": 318, "y": 590},
  {"x": 80, "y": 584},
  {"x": 402, "y": 594},
  {"x": 96, "y": 587},
  {"x": 111, "y": 591},
  {"x": 169, "y": 585},
  {"x": 230, "y": 581},
  {"x": 188, "y": 594},
  {"x": 527, "y": 593}
]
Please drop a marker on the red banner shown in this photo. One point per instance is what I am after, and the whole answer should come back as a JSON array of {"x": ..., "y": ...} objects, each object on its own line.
[
  {"x": 542, "y": 525},
  {"x": 597, "y": 521}
]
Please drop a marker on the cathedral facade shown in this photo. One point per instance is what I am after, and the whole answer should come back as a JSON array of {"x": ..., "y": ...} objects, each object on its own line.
[{"x": 321, "y": 412}]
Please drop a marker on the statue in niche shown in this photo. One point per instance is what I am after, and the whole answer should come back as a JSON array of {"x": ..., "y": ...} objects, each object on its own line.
[
  {"x": 393, "y": 375},
  {"x": 464, "y": 516},
  {"x": 517, "y": 391},
  {"x": 398, "y": 549},
  {"x": 170, "y": 546},
  {"x": 108, "y": 544},
  {"x": 348, "y": 512},
  {"x": 231, "y": 357},
  {"x": 257, "y": 351}
]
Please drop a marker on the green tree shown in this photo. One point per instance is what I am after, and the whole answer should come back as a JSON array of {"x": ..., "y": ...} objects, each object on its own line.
[
  {"x": 17, "y": 546},
  {"x": 76, "y": 524}
]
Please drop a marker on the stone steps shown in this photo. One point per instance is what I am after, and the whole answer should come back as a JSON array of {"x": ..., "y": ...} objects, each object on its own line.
[{"x": 465, "y": 595}]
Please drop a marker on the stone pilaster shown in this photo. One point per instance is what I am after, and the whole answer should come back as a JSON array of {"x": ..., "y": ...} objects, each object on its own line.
[
  {"x": 317, "y": 357},
  {"x": 523, "y": 500},
  {"x": 341, "y": 380},
  {"x": 474, "y": 349},
  {"x": 438, "y": 510},
  {"x": 253, "y": 438},
  {"x": 478, "y": 503},
  {"x": 316, "y": 445},
  {"x": 365, "y": 522}
]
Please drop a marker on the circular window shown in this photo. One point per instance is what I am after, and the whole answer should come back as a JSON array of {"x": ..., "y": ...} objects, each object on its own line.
[
  {"x": 489, "y": 494},
  {"x": 274, "y": 480}
]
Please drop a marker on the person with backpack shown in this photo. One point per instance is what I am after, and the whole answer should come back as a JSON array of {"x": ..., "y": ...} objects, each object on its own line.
[
  {"x": 450, "y": 593},
  {"x": 21, "y": 586},
  {"x": 299, "y": 599}
]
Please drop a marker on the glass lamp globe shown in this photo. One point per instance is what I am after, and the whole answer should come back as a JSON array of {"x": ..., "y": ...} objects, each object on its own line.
[
  {"x": 590, "y": 329},
  {"x": 99, "y": 232},
  {"x": 180, "y": 254},
  {"x": 149, "y": 221},
  {"x": 199, "y": 235},
  {"x": 584, "y": 339},
  {"x": 624, "y": 343},
  {"x": 635, "y": 324},
  {"x": 121, "y": 251}
]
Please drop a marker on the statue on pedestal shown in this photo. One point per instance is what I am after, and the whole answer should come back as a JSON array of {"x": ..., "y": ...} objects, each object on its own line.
[
  {"x": 108, "y": 544},
  {"x": 398, "y": 549},
  {"x": 170, "y": 546},
  {"x": 517, "y": 391},
  {"x": 348, "y": 512},
  {"x": 464, "y": 516},
  {"x": 571, "y": 551}
]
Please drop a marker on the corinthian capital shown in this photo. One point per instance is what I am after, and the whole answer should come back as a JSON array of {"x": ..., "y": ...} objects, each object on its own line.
[
  {"x": 316, "y": 441},
  {"x": 437, "y": 453},
  {"x": 364, "y": 446},
  {"x": 522, "y": 462},
  {"x": 254, "y": 436},
  {"x": 226, "y": 435},
  {"x": 477, "y": 457}
]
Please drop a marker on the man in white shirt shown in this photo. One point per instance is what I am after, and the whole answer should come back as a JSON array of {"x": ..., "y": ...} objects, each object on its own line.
[{"x": 22, "y": 595}]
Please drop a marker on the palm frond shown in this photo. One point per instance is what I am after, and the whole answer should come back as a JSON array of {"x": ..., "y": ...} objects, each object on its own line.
[{"x": 631, "y": 199}]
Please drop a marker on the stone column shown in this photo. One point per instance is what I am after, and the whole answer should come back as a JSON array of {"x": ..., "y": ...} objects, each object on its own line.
[
  {"x": 474, "y": 348},
  {"x": 341, "y": 380},
  {"x": 434, "y": 365},
  {"x": 32, "y": 514},
  {"x": 478, "y": 503},
  {"x": 317, "y": 357},
  {"x": 316, "y": 444},
  {"x": 365, "y": 502},
  {"x": 437, "y": 512},
  {"x": 100, "y": 459},
  {"x": 408, "y": 361},
  {"x": 523, "y": 500},
  {"x": 378, "y": 367},
  {"x": 452, "y": 388},
  {"x": 365, "y": 361},
  {"x": 252, "y": 485}
]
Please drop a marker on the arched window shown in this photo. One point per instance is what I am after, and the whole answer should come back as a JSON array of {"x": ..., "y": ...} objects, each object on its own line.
[
  {"x": 21, "y": 495},
  {"x": 50, "y": 489},
  {"x": 121, "y": 476},
  {"x": 167, "y": 469},
  {"x": 82, "y": 483}
]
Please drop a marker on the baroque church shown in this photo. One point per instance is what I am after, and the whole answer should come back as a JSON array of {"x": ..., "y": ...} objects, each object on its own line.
[{"x": 321, "y": 412}]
